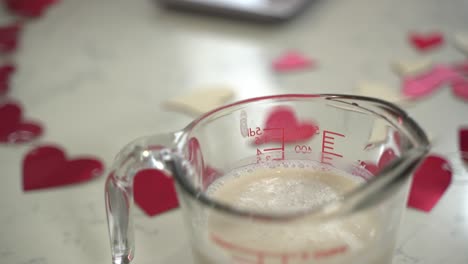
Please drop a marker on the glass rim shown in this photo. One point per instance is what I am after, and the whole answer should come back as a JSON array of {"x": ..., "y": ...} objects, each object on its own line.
[{"x": 384, "y": 179}]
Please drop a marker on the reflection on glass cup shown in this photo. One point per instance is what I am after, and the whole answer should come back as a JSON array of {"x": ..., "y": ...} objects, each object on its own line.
[{"x": 306, "y": 187}]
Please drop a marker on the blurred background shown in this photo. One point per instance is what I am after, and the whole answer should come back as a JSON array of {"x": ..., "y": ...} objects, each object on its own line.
[{"x": 96, "y": 73}]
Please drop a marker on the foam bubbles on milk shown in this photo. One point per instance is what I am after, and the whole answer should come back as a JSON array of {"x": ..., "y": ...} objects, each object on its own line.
[{"x": 286, "y": 186}]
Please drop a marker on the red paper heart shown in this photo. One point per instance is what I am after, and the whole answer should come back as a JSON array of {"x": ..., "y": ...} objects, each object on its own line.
[
  {"x": 292, "y": 61},
  {"x": 460, "y": 88},
  {"x": 46, "y": 167},
  {"x": 195, "y": 157},
  {"x": 462, "y": 67},
  {"x": 9, "y": 37},
  {"x": 386, "y": 157},
  {"x": 370, "y": 166},
  {"x": 5, "y": 73},
  {"x": 154, "y": 192},
  {"x": 13, "y": 129},
  {"x": 463, "y": 141},
  {"x": 283, "y": 118},
  {"x": 29, "y": 8},
  {"x": 426, "y": 41},
  {"x": 430, "y": 181}
]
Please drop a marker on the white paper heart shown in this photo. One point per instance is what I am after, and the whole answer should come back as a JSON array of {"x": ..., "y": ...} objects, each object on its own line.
[
  {"x": 380, "y": 91},
  {"x": 200, "y": 101},
  {"x": 461, "y": 42},
  {"x": 380, "y": 132},
  {"x": 411, "y": 68},
  {"x": 384, "y": 92}
]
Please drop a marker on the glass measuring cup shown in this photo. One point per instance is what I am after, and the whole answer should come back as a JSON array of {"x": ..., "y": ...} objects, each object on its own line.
[{"x": 331, "y": 132}]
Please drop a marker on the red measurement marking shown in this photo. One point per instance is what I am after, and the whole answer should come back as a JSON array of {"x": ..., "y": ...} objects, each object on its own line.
[
  {"x": 330, "y": 252},
  {"x": 258, "y": 256},
  {"x": 305, "y": 255},
  {"x": 252, "y": 256},
  {"x": 244, "y": 260},
  {"x": 269, "y": 135},
  {"x": 279, "y": 137},
  {"x": 328, "y": 142}
]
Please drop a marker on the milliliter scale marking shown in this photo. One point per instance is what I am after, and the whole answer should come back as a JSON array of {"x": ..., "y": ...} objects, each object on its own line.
[
  {"x": 244, "y": 255},
  {"x": 328, "y": 146},
  {"x": 270, "y": 136},
  {"x": 276, "y": 136}
]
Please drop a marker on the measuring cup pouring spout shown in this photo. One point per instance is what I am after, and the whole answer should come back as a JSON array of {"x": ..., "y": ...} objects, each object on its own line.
[{"x": 328, "y": 130}]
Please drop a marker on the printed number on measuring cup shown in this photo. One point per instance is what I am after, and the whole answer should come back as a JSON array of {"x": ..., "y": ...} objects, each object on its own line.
[
  {"x": 302, "y": 149},
  {"x": 261, "y": 155},
  {"x": 257, "y": 133}
]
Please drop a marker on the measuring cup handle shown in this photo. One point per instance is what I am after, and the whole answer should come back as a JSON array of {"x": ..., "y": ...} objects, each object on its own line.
[{"x": 154, "y": 152}]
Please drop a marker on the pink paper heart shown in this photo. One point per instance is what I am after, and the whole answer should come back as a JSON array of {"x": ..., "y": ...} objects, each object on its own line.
[
  {"x": 463, "y": 142},
  {"x": 282, "y": 125},
  {"x": 13, "y": 129},
  {"x": 47, "y": 166},
  {"x": 154, "y": 192},
  {"x": 426, "y": 41},
  {"x": 9, "y": 37},
  {"x": 425, "y": 84},
  {"x": 5, "y": 73},
  {"x": 430, "y": 181},
  {"x": 292, "y": 61}
]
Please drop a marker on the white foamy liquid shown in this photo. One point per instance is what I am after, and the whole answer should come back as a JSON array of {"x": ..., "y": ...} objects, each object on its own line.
[{"x": 290, "y": 187}]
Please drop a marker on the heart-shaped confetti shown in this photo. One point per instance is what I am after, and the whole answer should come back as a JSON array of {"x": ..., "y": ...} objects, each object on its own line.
[
  {"x": 47, "y": 166},
  {"x": 13, "y": 129},
  {"x": 379, "y": 131},
  {"x": 385, "y": 158},
  {"x": 430, "y": 181},
  {"x": 426, "y": 41},
  {"x": 460, "y": 88},
  {"x": 29, "y": 8},
  {"x": 463, "y": 142},
  {"x": 282, "y": 125},
  {"x": 195, "y": 157},
  {"x": 292, "y": 61},
  {"x": 5, "y": 73},
  {"x": 461, "y": 42},
  {"x": 425, "y": 84},
  {"x": 9, "y": 37},
  {"x": 200, "y": 101},
  {"x": 462, "y": 68},
  {"x": 410, "y": 68},
  {"x": 370, "y": 166},
  {"x": 154, "y": 192},
  {"x": 381, "y": 91}
]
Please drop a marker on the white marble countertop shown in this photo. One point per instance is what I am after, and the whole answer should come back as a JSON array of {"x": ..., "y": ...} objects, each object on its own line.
[{"x": 96, "y": 72}]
